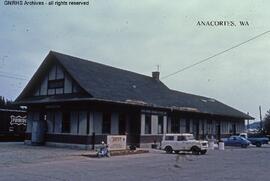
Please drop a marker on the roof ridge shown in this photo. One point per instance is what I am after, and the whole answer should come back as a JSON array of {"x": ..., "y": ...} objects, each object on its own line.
[
  {"x": 192, "y": 94},
  {"x": 109, "y": 66}
]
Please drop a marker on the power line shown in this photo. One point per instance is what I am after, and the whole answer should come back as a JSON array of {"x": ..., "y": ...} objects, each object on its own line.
[
  {"x": 12, "y": 77},
  {"x": 12, "y": 74},
  {"x": 217, "y": 54},
  {"x": 19, "y": 77}
]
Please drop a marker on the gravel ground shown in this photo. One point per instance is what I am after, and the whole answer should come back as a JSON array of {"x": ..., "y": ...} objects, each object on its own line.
[{"x": 20, "y": 162}]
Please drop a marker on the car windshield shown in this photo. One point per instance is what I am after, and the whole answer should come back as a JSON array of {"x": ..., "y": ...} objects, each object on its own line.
[
  {"x": 190, "y": 137},
  {"x": 242, "y": 138}
]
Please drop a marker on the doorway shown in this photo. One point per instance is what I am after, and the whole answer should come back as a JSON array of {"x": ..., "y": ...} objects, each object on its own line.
[
  {"x": 196, "y": 129},
  {"x": 122, "y": 124},
  {"x": 133, "y": 129},
  {"x": 218, "y": 132}
]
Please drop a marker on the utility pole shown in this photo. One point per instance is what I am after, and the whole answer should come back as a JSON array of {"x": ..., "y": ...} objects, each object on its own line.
[
  {"x": 260, "y": 109},
  {"x": 247, "y": 122}
]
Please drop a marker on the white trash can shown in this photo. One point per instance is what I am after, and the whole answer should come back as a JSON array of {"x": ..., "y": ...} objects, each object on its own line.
[
  {"x": 211, "y": 144},
  {"x": 221, "y": 146}
]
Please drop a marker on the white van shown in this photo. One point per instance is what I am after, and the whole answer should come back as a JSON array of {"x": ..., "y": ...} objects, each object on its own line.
[{"x": 183, "y": 142}]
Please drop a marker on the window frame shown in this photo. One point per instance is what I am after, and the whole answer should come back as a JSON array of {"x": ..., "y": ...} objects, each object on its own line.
[
  {"x": 183, "y": 138},
  {"x": 106, "y": 123},
  {"x": 148, "y": 124},
  {"x": 66, "y": 122},
  {"x": 168, "y": 138},
  {"x": 56, "y": 84},
  {"x": 187, "y": 125},
  {"x": 160, "y": 124}
]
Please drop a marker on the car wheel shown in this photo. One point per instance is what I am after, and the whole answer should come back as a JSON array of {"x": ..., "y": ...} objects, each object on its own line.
[
  {"x": 195, "y": 150},
  {"x": 203, "y": 152},
  {"x": 258, "y": 144},
  {"x": 168, "y": 149}
]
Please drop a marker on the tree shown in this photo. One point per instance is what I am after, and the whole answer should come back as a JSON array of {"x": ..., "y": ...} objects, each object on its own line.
[
  {"x": 7, "y": 104},
  {"x": 2, "y": 102},
  {"x": 266, "y": 120}
]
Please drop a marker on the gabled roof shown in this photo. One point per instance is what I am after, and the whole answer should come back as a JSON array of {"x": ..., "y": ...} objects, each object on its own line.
[
  {"x": 109, "y": 83},
  {"x": 102, "y": 82}
]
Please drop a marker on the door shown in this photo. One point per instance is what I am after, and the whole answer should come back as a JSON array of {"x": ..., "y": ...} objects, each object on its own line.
[
  {"x": 231, "y": 141},
  {"x": 196, "y": 129},
  {"x": 181, "y": 143},
  {"x": 122, "y": 124},
  {"x": 234, "y": 129},
  {"x": 218, "y": 132},
  {"x": 238, "y": 141},
  {"x": 133, "y": 129},
  {"x": 234, "y": 141}
]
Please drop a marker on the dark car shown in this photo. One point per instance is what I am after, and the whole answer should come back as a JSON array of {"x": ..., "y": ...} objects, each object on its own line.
[{"x": 236, "y": 141}]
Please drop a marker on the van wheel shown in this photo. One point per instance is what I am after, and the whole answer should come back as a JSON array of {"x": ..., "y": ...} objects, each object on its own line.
[
  {"x": 168, "y": 149},
  {"x": 258, "y": 144},
  {"x": 195, "y": 150},
  {"x": 203, "y": 152}
]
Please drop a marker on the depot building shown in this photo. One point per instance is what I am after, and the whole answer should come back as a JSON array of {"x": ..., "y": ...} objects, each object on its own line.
[{"x": 71, "y": 101}]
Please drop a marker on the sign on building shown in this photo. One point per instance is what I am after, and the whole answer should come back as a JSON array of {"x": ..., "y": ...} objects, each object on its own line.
[
  {"x": 17, "y": 120},
  {"x": 117, "y": 142}
]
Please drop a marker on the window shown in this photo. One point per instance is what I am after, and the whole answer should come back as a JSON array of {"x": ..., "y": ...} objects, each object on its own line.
[
  {"x": 160, "y": 124},
  {"x": 175, "y": 125},
  {"x": 181, "y": 138},
  {"x": 169, "y": 138},
  {"x": 147, "y": 124},
  {"x": 187, "y": 126},
  {"x": 106, "y": 123},
  {"x": 209, "y": 127},
  {"x": 54, "y": 120},
  {"x": 189, "y": 137},
  {"x": 56, "y": 84},
  {"x": 66, "y": 123}
]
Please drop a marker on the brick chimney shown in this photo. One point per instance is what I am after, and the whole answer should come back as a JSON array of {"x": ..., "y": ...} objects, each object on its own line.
[{"x": 155, "y": 75}]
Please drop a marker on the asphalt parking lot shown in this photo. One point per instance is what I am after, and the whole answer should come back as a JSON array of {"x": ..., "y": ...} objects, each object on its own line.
[{"x": 21, "y": 162}]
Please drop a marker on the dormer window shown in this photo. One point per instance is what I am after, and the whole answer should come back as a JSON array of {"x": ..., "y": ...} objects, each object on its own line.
[{"x": 56, "y": 84}]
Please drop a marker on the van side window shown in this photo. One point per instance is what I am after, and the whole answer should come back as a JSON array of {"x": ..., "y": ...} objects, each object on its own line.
[
  {"x": 181, "y": 138},
  {"x": 169, "y": 138}
]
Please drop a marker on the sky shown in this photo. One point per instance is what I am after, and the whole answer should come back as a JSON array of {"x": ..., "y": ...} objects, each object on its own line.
[{"x": 139, "y": 35}]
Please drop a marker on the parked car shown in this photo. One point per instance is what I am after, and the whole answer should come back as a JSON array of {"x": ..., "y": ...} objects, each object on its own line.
[
  {"x": 183, "y": 142},
  {"x": 255, "y": 139},
  {"x": 236, "y": 141}
]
